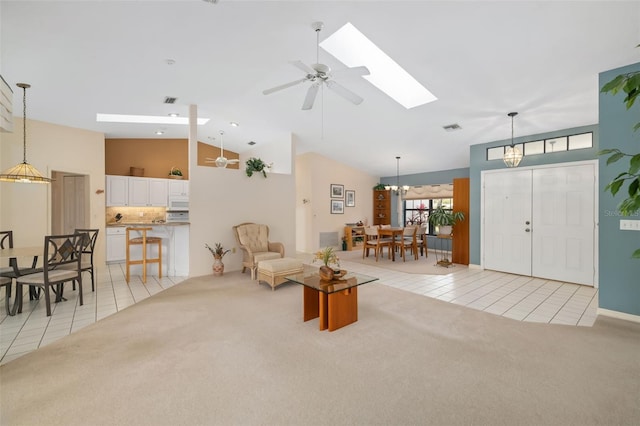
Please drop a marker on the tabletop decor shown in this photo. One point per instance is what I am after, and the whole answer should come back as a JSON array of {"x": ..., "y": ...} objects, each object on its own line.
[
  {"x": 218, "y": 253},
  {"x": 329, "y": 257}
]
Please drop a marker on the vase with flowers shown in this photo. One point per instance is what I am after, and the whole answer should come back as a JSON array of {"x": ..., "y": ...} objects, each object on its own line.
[
  {"x": 331, "y": 264},
  {"x": 218, "y": 253}
]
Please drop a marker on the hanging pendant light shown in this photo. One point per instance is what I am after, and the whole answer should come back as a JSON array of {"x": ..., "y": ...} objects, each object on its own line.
[
  {"x": 397, "y": 189},
  {"x": 512, "y": 155},
  {"x": 24, "y": 172}
]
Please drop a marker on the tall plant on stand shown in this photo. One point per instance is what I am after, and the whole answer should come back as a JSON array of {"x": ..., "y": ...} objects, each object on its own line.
[{"x": 629, "y": 180}]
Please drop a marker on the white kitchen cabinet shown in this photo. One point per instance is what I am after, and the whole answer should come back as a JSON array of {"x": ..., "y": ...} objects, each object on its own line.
[
  {"x": 147, "y": 192},
  {"x": 178, "y": 187},
  {"x": 117, "y": 191},
  {"x": 116, "y": 244}
]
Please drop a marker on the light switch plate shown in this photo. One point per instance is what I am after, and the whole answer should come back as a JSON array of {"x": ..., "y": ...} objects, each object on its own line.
[{"x": 629, "y": 225}]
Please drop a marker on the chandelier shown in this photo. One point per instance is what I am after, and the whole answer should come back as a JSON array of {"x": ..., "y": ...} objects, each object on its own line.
[
  {"x": 397, "y": 189},
  {"x": 512, "y": 155},
  {"x": 24, "y": 172}
]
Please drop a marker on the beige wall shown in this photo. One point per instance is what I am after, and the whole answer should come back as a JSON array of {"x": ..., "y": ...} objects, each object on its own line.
[
  {"x": 316, "y": 174},
  {"x": 26, "y": 208},
  {"x": 222, "y": 198}
]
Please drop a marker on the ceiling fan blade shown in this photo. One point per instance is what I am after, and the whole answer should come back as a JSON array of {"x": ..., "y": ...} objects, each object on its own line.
[
  {"x": 344, "y": 92},
  {"x": 236, "y": 161},
  {"x": 304, "y": 67},
  {"x": 311, "y": 96},
  {"x": 351, "y": 71},
  {"x": 283, "y": 86}
]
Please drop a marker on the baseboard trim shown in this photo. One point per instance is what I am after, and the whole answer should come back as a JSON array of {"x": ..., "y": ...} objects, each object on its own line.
[
  {"x": 618, "y": 315},
  {"x": 474, "y": 266}
]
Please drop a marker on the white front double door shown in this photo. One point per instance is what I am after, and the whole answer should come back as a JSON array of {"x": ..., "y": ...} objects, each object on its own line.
[{"x": 541, "y": 222}]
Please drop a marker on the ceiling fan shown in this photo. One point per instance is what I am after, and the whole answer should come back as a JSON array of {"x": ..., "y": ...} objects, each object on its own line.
[
  {"x": 221, "y": 161},
  {"x": 318, "y": 74}
]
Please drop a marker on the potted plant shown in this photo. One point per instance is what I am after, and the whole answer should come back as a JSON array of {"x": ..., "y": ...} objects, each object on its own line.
[
  {"x": 379, "y": 187},
  {"x": 328, "y": 257},
  {"x": 256, "y": 165},
  {"x": 175, "y": 173},
  {"x": 218, "y": 253},
  {"x": 444, "y": 219}
]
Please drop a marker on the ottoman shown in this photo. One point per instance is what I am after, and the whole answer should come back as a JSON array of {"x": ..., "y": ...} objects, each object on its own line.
[{"x": 273, "y": 271}]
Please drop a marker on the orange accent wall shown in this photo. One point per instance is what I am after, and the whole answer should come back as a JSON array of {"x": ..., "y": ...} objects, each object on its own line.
[
  {"x": 460, "y": 240},
  {"x": 155, "y": 156}
]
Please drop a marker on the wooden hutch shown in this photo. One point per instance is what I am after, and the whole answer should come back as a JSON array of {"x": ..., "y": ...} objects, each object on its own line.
[{"x": 381, "y": 207}]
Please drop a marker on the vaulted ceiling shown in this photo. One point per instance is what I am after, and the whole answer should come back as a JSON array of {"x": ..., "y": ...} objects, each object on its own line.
[{"x": 481, "y": 59}]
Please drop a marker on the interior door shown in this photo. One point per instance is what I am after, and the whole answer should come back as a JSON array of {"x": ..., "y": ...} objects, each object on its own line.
[
  {"x": 74, "y": 203},
  {"x": 507, "y": 220},
  {"x": 564, "y": 224}
]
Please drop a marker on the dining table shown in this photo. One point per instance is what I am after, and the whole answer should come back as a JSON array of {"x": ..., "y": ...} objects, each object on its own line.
[
  {"x": 392, "y": 232},
  {"x": 13, "y": 255}
]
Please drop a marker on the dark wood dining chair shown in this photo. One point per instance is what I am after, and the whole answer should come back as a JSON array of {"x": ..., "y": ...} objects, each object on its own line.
[
  {"x": 88, "y": 245},
  {"x": 61, "y": 263}
]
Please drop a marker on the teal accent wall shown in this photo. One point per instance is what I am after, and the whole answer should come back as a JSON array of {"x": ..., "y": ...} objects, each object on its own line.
[
  {"x": 479, "y": 163},
  {"x": 619, "y": 274}
]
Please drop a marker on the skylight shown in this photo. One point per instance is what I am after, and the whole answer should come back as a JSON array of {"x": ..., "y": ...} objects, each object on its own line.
[
  {"x": 145, "y": 119},
  {"x": 354, "y": 49}
]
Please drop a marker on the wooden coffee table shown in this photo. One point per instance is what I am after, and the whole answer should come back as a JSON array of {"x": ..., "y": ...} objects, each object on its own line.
[{"x": 334, "y": 302}]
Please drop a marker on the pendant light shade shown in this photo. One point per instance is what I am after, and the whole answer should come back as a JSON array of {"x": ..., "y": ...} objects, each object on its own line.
[
  {"x": 512, "y": 155},
  {"x": 24, "y": 172}
]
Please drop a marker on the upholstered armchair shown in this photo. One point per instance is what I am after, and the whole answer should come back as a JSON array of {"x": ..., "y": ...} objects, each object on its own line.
[{"x": 253, "y": 240}]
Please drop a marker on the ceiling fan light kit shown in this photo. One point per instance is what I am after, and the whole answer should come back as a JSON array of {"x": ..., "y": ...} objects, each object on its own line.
[
  {"x": 317, "y": 74},
  {"x": 221, "y": 161}
]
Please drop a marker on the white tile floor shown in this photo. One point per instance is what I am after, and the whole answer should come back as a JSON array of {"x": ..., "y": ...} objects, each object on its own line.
[{"x": 513, "y": 296}]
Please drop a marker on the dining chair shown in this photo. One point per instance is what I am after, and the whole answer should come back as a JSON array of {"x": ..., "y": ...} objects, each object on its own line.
[
  {"x": 14, "y": 270},
  {"x": 408, "y": 241},
  {"x": 88, "y": 245},
  {"x": 421, "y": 240},
  {"x": 6, "y": 242},
  {"x": 61, "y": 263},
  {"x": 372, "y": 240},
  {"x": 6, "y": 283}
]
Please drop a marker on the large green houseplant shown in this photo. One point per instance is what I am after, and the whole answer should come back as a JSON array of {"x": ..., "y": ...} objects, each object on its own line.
[
  {"x": 628, "y": 181},
  {"x": 444, "y": 219}
]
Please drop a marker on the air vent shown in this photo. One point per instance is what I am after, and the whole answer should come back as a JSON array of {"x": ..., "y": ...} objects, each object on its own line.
[
  {"x": 452, "y": 127},
  {"x": 251, "y": 143},
  {"x": 170, "y": 100}
]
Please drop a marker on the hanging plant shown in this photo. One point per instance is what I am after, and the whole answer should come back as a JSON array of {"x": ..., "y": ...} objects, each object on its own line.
[{"x": 256, "y": 165}]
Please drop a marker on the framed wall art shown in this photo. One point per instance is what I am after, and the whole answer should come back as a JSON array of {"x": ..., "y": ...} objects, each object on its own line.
[
  {"x": 337, "y": 191},
  {"x": 337, "y": 207},
  {"x": 349, "y": 198}
]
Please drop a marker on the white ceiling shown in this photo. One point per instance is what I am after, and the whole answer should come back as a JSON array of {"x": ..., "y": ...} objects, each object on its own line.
[{"x": 481, "y": 59}]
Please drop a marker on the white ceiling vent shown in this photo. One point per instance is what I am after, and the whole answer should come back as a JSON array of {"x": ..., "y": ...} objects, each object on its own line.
[
  {"x": 170, "y": 100},
  {"x": 452, "y": 127}
]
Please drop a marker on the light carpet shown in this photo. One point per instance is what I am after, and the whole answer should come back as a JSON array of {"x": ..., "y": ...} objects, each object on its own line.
[
  {"x": 226, "y": 351},
  {"x": 424, "y": 265}
]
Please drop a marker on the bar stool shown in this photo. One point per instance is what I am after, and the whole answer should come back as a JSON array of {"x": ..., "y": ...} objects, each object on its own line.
[{"x": 144, "y": 241}]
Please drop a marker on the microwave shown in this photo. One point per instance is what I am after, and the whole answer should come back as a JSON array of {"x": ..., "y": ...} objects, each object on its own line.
[{"x": 178, "y": 203}]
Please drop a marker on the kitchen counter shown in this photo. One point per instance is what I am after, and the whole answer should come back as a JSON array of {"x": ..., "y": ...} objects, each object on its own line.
[{"x": 175, "y": 245}]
